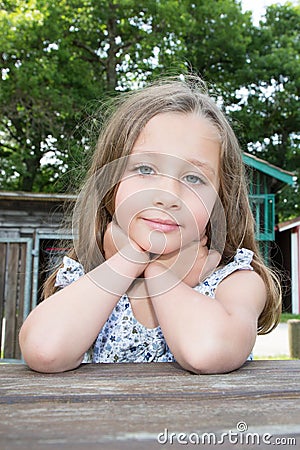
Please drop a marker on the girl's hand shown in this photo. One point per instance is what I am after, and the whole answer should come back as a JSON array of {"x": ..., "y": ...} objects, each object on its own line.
[
  {"x": 192, "y": 263},
  {"x": 115, "y": 239},
  {"x": 187, "y": 263}
]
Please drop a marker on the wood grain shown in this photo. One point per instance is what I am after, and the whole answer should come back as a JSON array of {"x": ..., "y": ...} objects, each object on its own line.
[{"x": 112, "y": 406}]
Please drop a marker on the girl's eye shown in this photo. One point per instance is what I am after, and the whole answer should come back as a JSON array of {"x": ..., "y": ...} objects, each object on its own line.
[
  {"x": 193, "y": 179},
  {"x": 145, "y": 170}
]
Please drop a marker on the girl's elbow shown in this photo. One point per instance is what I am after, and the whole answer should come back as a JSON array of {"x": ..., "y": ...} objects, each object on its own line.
[
  {"x": 44, "y": 357},
  {"x": 40, "y": 360},
  {"x": 203, "y": 366},
  {"x": 209, "y": 361},
  {"x": 44, "y": 361}
]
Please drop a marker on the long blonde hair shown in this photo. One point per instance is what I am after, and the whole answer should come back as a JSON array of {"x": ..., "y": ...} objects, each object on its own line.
[{"x": 119, "y": 133}]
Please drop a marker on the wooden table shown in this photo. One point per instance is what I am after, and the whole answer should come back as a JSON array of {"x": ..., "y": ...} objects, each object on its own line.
[{"x": 130, "y": 406}]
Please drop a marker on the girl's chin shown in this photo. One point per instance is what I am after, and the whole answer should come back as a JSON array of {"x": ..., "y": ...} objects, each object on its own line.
[
  {"x": 157, "y": 243},
  {"x": 156, "y": 250}
]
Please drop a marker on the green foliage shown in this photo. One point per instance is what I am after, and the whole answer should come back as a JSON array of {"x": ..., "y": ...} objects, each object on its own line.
[
  {"x": 61, "y": 59},
  {"x": 288, "y": 316},
  {"x": 56, "y": 58},
  {"x": 216, "y": 37},
  {"x": 269, "y": 114}
]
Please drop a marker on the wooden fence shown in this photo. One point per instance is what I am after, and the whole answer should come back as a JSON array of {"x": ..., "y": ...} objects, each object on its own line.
[{"x": 15, "y": 286}]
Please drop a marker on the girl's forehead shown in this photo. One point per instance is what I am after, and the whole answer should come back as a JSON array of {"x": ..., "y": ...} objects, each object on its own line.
[
  {"x": 188, "y": 137},
  {"x": 178, "y": 125}
]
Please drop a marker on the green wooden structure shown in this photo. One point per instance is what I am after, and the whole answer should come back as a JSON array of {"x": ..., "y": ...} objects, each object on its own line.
[{"x": 265, "y": 181}]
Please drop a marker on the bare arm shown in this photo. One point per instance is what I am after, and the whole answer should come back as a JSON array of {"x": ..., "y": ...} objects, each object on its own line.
[
  {"x": 57, "y": 333},
  {"x": 207, "y": 335}
]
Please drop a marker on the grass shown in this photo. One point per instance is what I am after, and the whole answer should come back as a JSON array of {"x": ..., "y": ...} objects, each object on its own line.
[
  {"x": 275, "y": 357},
  {"x": 283, "y": 319},
  {"x": 287, "y": 316}
]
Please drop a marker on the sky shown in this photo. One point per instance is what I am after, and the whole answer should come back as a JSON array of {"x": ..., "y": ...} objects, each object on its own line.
[{"x": 258, "y": 7}]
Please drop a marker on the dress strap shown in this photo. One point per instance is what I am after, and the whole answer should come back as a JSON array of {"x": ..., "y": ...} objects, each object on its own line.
[
  {"x": 242, "y": 261},
  {"x": 243, "y": 258},
  {"x": 71, "y": 271}
]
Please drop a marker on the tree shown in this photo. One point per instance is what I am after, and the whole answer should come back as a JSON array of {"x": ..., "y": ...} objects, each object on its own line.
[
  {"x": 268, "y": 110},
  {"x": 40, "y": 86},
  {"x": 216, "y": 37},
  {"x": 56, "y": 58}
]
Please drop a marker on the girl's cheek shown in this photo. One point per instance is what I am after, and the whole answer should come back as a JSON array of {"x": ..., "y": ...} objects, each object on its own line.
[{"x": 122, "y": 207}]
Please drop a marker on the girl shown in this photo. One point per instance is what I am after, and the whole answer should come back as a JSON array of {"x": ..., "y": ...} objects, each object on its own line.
[{"x": 181, "y": 278}]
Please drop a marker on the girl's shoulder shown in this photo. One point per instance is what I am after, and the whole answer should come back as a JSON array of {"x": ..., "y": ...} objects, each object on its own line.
[{"x": 242, "y": 261}]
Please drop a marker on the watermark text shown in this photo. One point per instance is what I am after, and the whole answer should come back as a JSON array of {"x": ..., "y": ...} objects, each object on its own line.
[{"x": 239, "y": 436}]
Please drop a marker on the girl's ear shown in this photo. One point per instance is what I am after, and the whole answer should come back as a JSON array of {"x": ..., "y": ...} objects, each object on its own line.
[
  {"x": 109, "y": 208},
  {"x": 110, "y": 202},
  {"x": 203, "y": 239}
]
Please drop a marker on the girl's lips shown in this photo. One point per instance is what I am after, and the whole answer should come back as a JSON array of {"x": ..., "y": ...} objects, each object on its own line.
[{"x": 162, "y": 225}]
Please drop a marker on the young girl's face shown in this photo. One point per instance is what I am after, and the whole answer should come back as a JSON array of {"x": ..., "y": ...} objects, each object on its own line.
[{"x": 170, "y": 184}]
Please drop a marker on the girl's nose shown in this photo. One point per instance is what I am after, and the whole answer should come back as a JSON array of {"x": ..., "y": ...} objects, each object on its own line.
[{"x": 166, "y": 196}]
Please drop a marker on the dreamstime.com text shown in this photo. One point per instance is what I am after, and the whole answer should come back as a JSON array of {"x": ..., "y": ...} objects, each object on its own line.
[{"x": 239, "y": 436}]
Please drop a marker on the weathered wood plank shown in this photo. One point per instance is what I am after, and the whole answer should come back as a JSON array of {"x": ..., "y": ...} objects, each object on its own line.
[
  {"x": 115, "y": 381},
  {"x": 111, "y": 406},
  {"x": 10, "y": 300},
  {"x": 20, "y": 298},
  {"x": 2, "y": 282}
]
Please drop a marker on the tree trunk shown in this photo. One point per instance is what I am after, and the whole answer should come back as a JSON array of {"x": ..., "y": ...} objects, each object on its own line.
[
  {"x": 27, "y": 179},
  {"x": 111, "y": 67}
]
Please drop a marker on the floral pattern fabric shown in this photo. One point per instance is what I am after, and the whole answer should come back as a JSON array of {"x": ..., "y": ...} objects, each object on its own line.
[{"x": 123, "y": 338}]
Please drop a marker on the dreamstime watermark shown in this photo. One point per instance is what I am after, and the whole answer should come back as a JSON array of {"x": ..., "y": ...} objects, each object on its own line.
[{"x": 239, "y": 436}]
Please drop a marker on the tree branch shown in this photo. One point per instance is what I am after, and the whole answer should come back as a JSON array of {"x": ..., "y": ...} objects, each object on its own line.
[
  {"x": 90, "y": 50},
  {"x": 9, "y": 147},
  {"x": 14, "y": 136}
]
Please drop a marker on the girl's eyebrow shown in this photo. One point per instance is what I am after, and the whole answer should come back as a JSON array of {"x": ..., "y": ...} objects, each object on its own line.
[
  {"x": 154, "y": 156},
  {"x": 202, "y": 165}
]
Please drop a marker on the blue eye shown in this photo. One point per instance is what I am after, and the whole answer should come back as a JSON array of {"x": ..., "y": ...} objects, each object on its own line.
[
  {"x": 145, "y": 170},
  {"x": 193, "y": 179}
]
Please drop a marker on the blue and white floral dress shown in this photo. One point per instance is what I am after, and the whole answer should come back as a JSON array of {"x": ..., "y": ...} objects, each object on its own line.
[{"x": 123, "y": 338}]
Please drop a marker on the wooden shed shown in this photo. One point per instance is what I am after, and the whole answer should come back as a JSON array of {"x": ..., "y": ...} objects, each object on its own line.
[
  {"x": 288, "y": 240},
  {"x": 265, "y": 182},
  {"x": 30, "y": 227}
]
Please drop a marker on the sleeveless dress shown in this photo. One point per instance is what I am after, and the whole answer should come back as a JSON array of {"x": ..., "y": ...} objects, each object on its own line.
[{"x": 123, "y": 338}]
